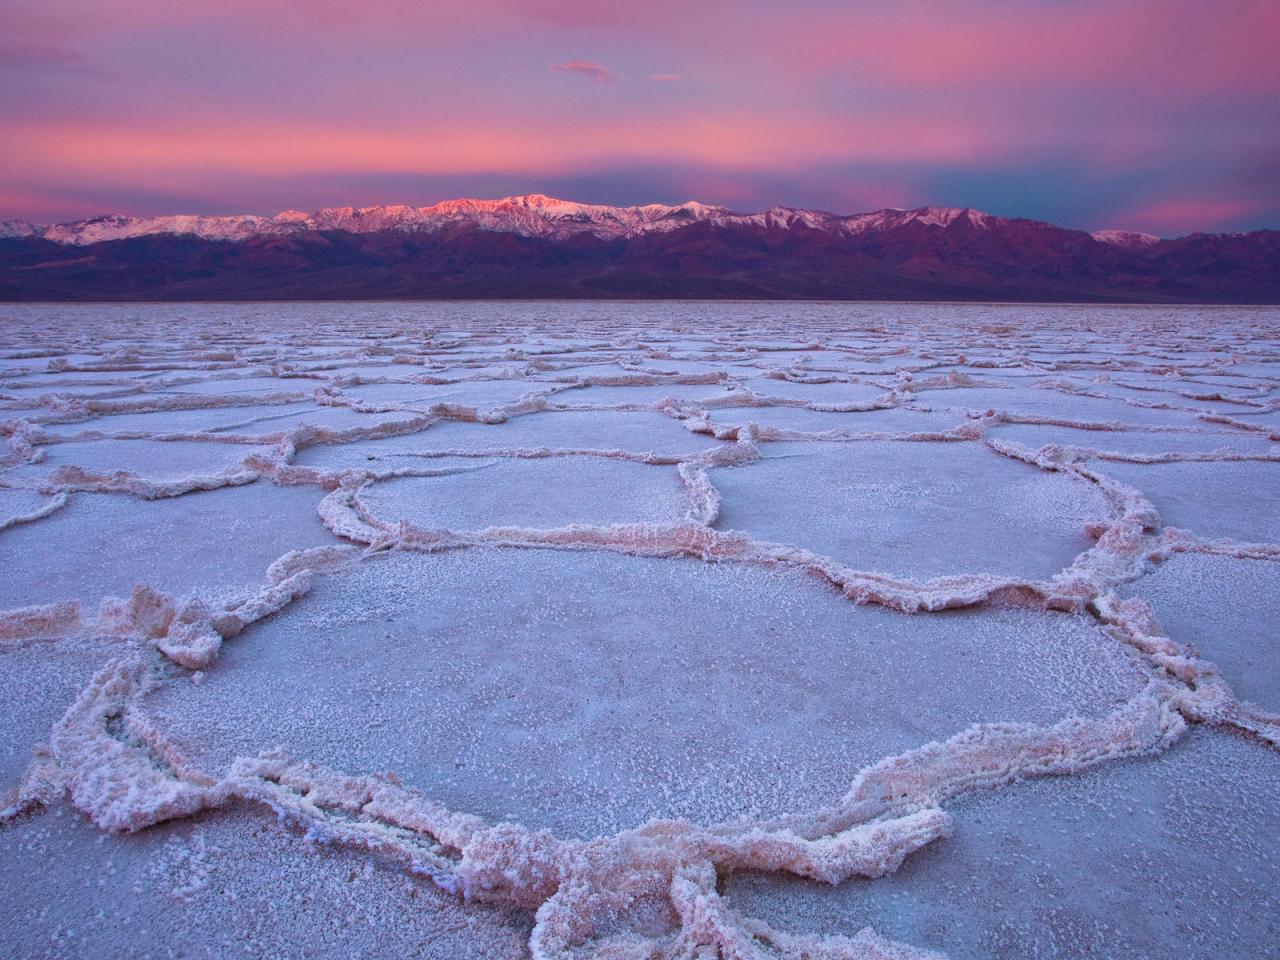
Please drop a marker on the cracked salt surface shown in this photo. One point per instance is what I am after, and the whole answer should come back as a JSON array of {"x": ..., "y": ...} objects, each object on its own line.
[
  {"x": 804, "y": 420},
  {"x": 38, "y": 678},
  {"x": 104, "y": 544},
  {"x": 482, "y": 394},
  {"x": 1167, "y": 856},
  {"x": 229, "y": 885},
  {"x": 1056, "y": 404},
  {"x": 639, "y": 435},
  {"x": 152, "y": 458},
  {"x": 549, "y": 492},
  {"x": 1226, "y": 609},
  {"x": 589, "y": 692},
  {"x": 1139, "y": 444},
  {"x": 623, "y": 630},
  {"x": 886, "y": 506},
  {"x": 1240, "y": 500}
]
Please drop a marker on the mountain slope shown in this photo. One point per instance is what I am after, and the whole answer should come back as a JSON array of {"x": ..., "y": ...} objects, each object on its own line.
[{"x": 540, "y": 248}]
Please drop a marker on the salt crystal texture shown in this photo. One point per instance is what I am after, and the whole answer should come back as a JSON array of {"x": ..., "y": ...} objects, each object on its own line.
[{"x": 622, "y": 630}]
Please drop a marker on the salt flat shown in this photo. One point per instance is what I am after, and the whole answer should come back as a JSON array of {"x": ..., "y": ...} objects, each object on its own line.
[{"x": 640, "y": 630}]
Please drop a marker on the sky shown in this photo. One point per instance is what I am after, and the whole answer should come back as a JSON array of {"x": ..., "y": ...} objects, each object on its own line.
[{"x": 1157, "y": 116}]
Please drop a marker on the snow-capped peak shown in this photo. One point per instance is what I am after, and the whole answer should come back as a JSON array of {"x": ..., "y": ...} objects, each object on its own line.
[
  {"x": 17, "y": 228},
  {"x": 532, "y": 215},
  {"x": 945, "y": 216},
  {"x": 1125, "y": 238}
]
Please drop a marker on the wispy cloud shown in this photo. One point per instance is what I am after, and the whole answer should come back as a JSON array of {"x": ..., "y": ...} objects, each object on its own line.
[
  {"x": 583, "y": 68},
  {"x": 665, "y": 77},
  {"x": 1173, "y": 215},
  {"x": 29, "y": 55}
]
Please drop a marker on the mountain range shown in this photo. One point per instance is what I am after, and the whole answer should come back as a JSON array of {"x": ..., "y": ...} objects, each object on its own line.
[{"x": 539, "y": 247}]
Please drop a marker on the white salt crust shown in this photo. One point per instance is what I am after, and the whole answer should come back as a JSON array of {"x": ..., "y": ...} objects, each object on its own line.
[{"x": 399, "y": 416}]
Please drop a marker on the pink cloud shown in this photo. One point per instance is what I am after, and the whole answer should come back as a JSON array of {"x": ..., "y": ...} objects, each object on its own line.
[
  {"x": 665, "y": 77},
  {"x": 599, "y": 14},
  {"x": 1176, "y": 215},
  {"x": 592, "y": 71},
  {"x": 38, "y": 206},
  {"x": 1157, "y": 46},
  {"x": 210, "y": 145}
]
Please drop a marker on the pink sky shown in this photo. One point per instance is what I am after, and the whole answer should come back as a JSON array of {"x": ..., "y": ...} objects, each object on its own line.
[{"x": 1157, "y": 116}]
